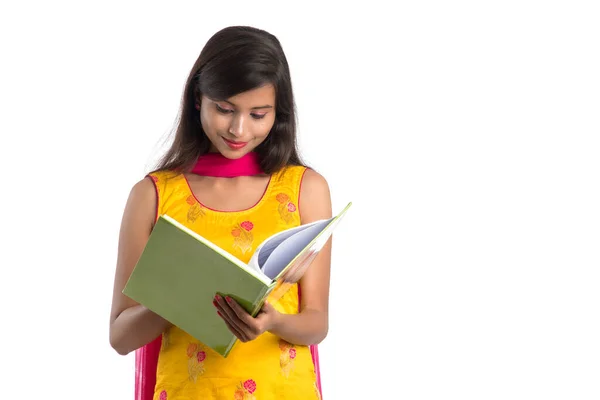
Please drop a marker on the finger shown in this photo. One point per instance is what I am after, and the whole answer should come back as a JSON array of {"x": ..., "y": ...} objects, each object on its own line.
[
  {"x": 230, "y": 324},
  {"x": 240, "y": 335},
  {"x": 267, "y": 308},
  {"x": 232, "y": 316},
  {"x": 226, "y": 308},
  {"x": 266, "y": 317},
  {"x": 249, "y": 322},
  {"x": 239, "y": 311}
]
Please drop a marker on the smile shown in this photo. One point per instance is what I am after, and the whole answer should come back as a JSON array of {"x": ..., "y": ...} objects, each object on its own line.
[{"x": 235, "y": 145}]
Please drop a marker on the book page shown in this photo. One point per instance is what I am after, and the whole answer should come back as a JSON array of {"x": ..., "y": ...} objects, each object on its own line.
[
  {"x": 276, "y": 252},
  {"x": 270, "y": 244},
  {"x": 289, "y": 248}
]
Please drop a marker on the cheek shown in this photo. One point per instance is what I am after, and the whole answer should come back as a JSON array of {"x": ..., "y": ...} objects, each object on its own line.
[
  {"x": 261, "y": 132},
  {"x": 262, "y": 128},
  {"x": 205, "y": 119},
  {"x": 212, "y": 123}
]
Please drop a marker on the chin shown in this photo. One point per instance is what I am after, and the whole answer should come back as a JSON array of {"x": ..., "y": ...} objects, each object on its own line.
[{"x": 235, "y": 153}]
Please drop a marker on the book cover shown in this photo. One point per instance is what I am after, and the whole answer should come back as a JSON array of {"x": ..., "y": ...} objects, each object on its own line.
[
  {"x": 177, "y": 277},
  {"x": 180, "y": 272}
]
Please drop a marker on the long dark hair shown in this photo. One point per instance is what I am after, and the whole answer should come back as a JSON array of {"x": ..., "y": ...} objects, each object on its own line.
[{"x": 234, "y": 60}]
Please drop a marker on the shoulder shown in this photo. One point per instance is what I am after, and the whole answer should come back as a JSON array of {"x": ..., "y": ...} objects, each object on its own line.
[
  {"x": 314, "y": 181},
  {"x": 163, "y": 176},
  {"x": 144, "y": 193},
  {"x": 315, "y": 197},
  {"x": 147, "y": 192},
  {"x": 141, "y": 205},
  {"x": 144, "y": 189},
  {"x": 164, "y": 181},
  {"x": 289, "y": 173}
]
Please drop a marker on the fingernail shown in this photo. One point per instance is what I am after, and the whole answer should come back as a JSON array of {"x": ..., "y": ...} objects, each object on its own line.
[
  {"x": 214, "y": 303},
  {"x": 217, "y": 297},
  {"x": 220, "y": 315},
  {"x": 229, "y": 299}
]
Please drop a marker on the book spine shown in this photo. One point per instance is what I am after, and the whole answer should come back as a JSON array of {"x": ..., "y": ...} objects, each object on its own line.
[
  {"x": 230, "y": 346},
  {"x": 260, "y": 300}
]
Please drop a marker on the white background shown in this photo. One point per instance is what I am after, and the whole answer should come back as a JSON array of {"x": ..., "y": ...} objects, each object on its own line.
[{"x": 465, "y": 133}]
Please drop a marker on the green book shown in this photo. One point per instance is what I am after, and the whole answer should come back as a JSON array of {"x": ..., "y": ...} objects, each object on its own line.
[{"x": 179, "y": 273}]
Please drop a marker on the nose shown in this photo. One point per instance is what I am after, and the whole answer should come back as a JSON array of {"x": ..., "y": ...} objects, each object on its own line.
[{"x": 236, "y": 127}]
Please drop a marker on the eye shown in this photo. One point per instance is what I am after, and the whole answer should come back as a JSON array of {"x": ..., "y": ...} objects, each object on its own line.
[
  {"x": 258, "y": 116},
  {"x": 222, "y": 110}
]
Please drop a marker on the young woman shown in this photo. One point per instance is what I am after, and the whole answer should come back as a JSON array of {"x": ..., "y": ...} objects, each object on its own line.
[{"x": 233, "y": 175}]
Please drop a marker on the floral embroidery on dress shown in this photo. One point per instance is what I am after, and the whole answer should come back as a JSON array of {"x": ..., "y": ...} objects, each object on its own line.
[
  {"x": 242, "y": 236},
  {"x": 286, "y": 357},
  {"x": 195, "y": 210},
  {"x": 245, "y": 391},
  {"x": 163, "y": 395},
  {"x": 286, "y": 208},
  {"x": 196, "y": 357}
]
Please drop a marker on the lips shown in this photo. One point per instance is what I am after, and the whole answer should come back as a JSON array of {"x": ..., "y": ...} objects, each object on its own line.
[{"x": 235, "y": 145}]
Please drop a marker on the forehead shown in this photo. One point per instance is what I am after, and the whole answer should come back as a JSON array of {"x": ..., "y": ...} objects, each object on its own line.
[{"x": 261, "y": 96}]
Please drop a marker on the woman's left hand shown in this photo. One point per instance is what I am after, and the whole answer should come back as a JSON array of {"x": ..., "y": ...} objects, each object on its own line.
[{"x": 242, "y": 324}]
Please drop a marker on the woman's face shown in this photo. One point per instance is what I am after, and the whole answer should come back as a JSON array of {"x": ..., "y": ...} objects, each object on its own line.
[{"x": 237, "y": 125}]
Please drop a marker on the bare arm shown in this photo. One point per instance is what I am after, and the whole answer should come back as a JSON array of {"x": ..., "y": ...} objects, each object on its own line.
[
  {"x": 311, "y": 324},
  {"x": 132, "y": 325}
]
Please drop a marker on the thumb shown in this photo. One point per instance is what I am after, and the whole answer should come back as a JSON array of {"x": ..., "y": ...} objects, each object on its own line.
[{"x": 267, "y": 307}]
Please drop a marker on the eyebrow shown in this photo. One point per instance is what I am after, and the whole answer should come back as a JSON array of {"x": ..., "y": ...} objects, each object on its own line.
[{"x": 253, "y": 108}]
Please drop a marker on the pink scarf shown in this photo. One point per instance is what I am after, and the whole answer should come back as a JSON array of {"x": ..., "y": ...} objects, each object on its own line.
[
  {"x": 146, "y": 357},
  {"x": 215, "y": 164}
]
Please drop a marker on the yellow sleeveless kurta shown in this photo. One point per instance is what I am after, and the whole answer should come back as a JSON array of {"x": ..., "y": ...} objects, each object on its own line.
[{"x": 267, "y": 367}]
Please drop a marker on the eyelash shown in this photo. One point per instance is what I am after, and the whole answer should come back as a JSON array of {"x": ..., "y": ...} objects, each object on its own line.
[{"x": 224, "y": 111}]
